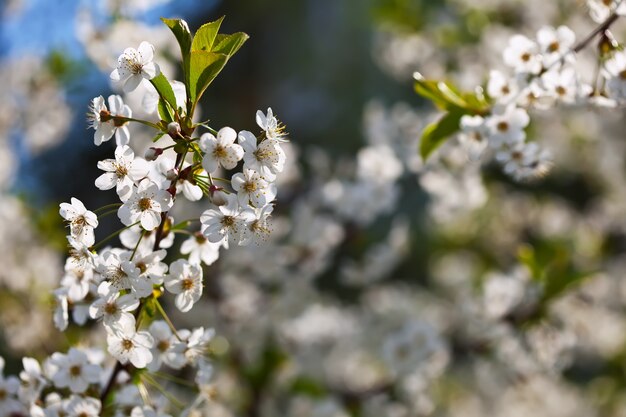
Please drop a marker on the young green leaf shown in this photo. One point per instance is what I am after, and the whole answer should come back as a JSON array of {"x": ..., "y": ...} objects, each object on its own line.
[
  {"x": 437, "y": 132},
  {"x": 205, "y": 36},
  {"x": 164, "y": 88},
  {"x": 183, "y": 35},
  {"x": 165, "y": 112},
  {"x": 204, "y": 67},
  {"x": 229, "y": 44}
]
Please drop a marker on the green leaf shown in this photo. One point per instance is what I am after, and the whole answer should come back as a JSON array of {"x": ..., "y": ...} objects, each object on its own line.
[
  {"x": 164, "y": 88},
  {"x": 181, "y": 31},
  {"x": 437, "y": 132},
  {"x": 205, "y": 36},
  {"x": 164, "y": 111},
  {"x": 229, "y": 44},
  {"x": 204, "y": 67},
  {"x": 157, "y": 137},
  {"x": 447, "y": 97}
]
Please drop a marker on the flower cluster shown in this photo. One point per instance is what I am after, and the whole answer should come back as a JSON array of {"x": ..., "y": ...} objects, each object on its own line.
[
  {"x": 543, "y": 73},
  {"x": 123, "y": 287}
]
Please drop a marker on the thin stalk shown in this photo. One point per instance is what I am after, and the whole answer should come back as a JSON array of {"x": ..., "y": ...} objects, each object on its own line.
[
  {"x": 111, "y": 236},
  {"x": 166, "y": 318},
  {"x": 163, "y": 391},
  {"x": 143, "y": 122},
  {"x": 143, "y": 233},
  {"x": 106, "y": 213},
  {"x": 108, "y": 206}
]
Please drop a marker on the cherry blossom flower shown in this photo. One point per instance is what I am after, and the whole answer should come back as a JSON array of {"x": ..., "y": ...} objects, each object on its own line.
[
  {"x": 251, "y": 188},
  {"x": 83, "y": 407},
  {"x": 267, "y": 157},
  {"x": 556, "y": 44},
  {"x": 522, "y": 54},
  {"x": 105, "y": 129},
  {"x": 270, "y": 125},
  {"x": 221, "y": 150},
  {"x": 506, "y": 125},
  {"x": 127, "y": 344},
  {"x": 135, "y": 65},
  {"x": 73, "y": 371},
  {"x": 200, "y": 249},
  {"x": 122, "y": 172},
  {"x": 226, "y": 222},
  {"x": 82, "y": 221},
  {"x": 258, "y": 229},
  {"x": 112, "y": 307},
  {"x": 474, "y": 135},
  {"x": 145, "y": 205},
  {"x": 185, "y": 280}
]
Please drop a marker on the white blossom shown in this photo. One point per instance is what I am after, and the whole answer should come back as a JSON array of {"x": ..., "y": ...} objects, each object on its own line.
[
  {"x": 105, "y": 129},
  {"x": 82, "y": 221},
  {"x": 185, "y": 280},
  {"x": 127, "y": 344},
  {"x": 122, "y": 172},
  {"x": 135, "y": 65},
  {"x": 145, "y": 205},
  {"x": 221, "y": 150}
]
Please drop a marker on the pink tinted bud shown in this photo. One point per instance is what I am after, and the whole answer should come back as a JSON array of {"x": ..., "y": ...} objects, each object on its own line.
[
  {"x": 218, "y": 196},
  {"x": 171, "y": 174},
  {"x": 153, "y": 153}
]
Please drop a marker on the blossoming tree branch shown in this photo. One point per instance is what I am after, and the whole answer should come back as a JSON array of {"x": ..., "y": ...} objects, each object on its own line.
[
  {"x": 121, "y": 287},
  {"x": 543, "y": 75}
]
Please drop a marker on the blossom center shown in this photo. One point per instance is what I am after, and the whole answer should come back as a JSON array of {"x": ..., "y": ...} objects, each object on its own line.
[
  {"x": 120, "y": 170},
  {"x": 75, "y": 371},
  {"x": 250, "y": 186},
  {"x": 220, "y": 152},
  {"x": 136, "y": 67},
  {"x": 110, "y": 308},
  {"x": 525, "y": 57},
  {"x": 622, "y": 74},
  {"x": 142, "y": 266},
  {"x": 517, "y": 155},
  {"x": 228, "y": 221},
  {"x": 144, "y": 204},
  {"x": 127, "y": 344},
  {"x": 187, "y": 284},
  {"x": 163, "y": 345},
  {"x": 553, "y": 47},
  {"x": 117, "y": 275},
  {"x": 262, "y": 154},
  {"x": 560, "y": 90},
  {"x": 3, "y": 394},
  {"x": 502, "y": 126}
]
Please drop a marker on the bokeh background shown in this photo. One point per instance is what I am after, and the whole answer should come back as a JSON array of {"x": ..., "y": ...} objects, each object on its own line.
[{"x": 390, "y": 287}]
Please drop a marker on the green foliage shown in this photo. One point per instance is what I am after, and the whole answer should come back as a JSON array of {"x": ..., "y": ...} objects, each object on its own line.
[
  {"x": 204, "y": 56},
  {"x": 436, "y": 133},
  {"x": 181, "y": 31},
  {"x": 205, "y": 36},
  {"x": 164, "y": 88},
  {"x": 456, "y": 104},
  {"x": 552, "y": 264}
]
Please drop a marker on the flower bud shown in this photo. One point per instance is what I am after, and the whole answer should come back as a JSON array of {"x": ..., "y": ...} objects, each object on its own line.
[
  {"x": 171, "y": 174},
  {"x": 152, "y": 153},
  {"x": 218, "y": 196},
  {"x": 173, "y": 129}
]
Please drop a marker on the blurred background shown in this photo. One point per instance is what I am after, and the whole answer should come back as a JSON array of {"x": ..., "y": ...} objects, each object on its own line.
[{"x": 389, "y": 287}]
